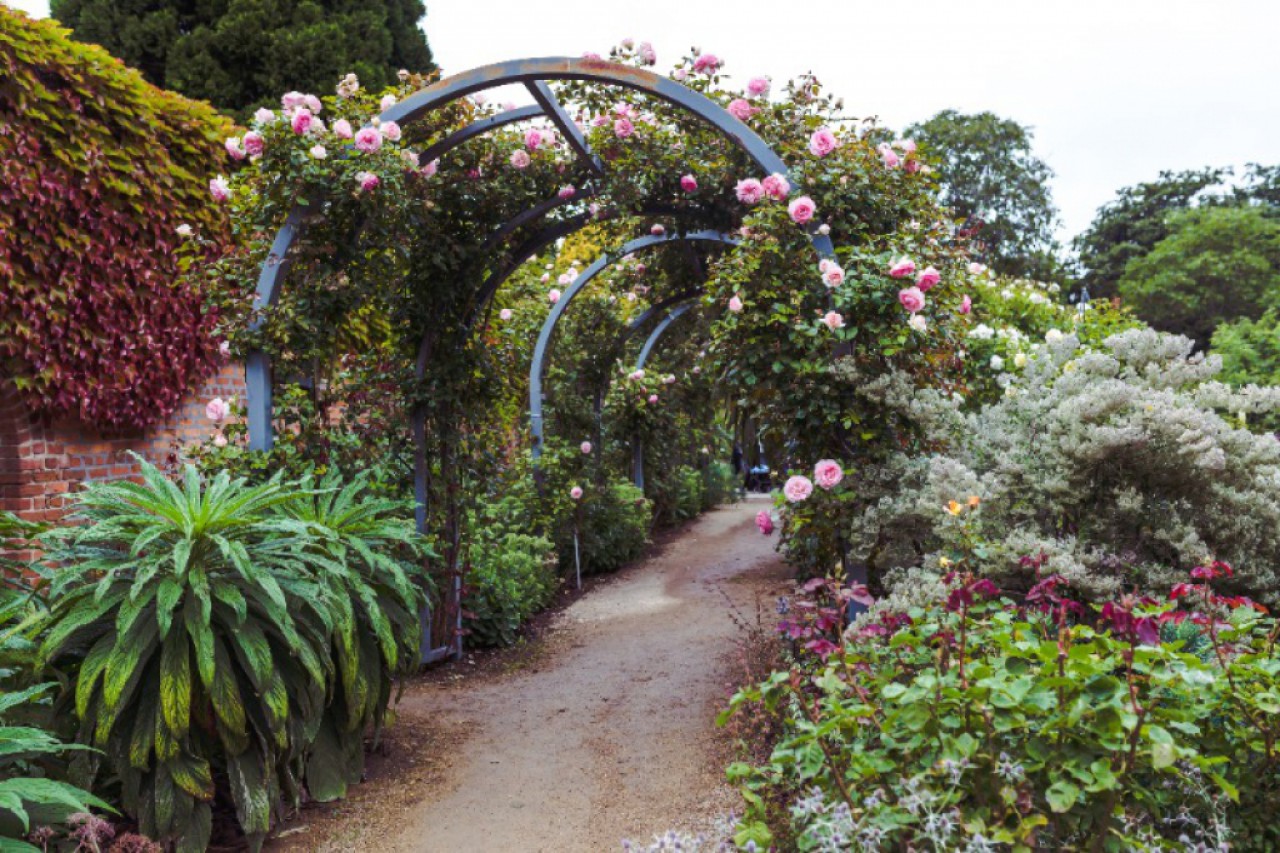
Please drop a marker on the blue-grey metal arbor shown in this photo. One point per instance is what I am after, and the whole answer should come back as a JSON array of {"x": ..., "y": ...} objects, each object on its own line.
[{"x": 535, "y": 75}]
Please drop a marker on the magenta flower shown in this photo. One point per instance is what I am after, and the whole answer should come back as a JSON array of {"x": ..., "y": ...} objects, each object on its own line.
[
  {"x": 827, "y": 473},
  {"x": 822, "y": 143},
  {"x": 585, "y": 447},
  {"x": 749, "y": 191},
  {"x": 928, "y": 278},
  {"x": 367, "y": 180},
  {"x": 966, "y": 304},
  {"x": 741, "y": 109},
  {"x": 301, "y": 121},
  {"x": 758, "y": 86},
  {"x": 653, "y": 399},
  {"x": 220, "y": 189},
  {"x": 520, "y": 158},
  {"x": 797, "y": 488},
  {"x": 657, "y": 230},
  {"x": 688, "y": 183},
  {"x": 622, "y": 128},
  {"x": 764, "y": 521},
  {"x": 889, "y": 156},
  {"x": 833, "y": 321},
  {"x": 735, "y": 304},
  {"x": 706, "y": 63},
  {"x": 576, "y": 493},
  {"x": 912, "y": 298},
  {"x": 776, "y": 187},
  {"x": 217, "y": 410},
  {"x": 566, "y": 192},
  {"x": 368, "y": 139},
  {"x": 254, "y": 144},
  {"x": 902, "y": 267},
  {"x": 533, "y": 139},
  {"x": 802, "y": 209}
]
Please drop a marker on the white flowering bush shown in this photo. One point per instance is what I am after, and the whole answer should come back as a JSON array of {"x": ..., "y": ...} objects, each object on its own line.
[{"x": 1114, "y": 467}]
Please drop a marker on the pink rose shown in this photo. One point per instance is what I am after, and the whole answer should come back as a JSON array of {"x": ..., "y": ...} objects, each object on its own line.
[
  {"x": 219, "y": 440},
  {"x": 758, "y": 86},
  {"x": 908, "y": 146},
  {"x": 520, "y": 158},
  {"x": 600, "y": 120},
  {"x": 622, "y": 128},
  {"x": 833, "y": 275},
  {"x": 389, "y": 101},
  {"x": 430, "y": 169},
  {"x": 827, "y": 473},
  {"x": 764, "y": 521},
  {"x": 553, "y": 296},
  {"x": 976, "y": 268},
  {"x": 220, "y": 189},
  {"x": 391, "y": 131},
  {"x": 912, "y": 166},
  {"x": 368, "y": 139},
  {"x": 224, "y": 349},
  {"x": 966, "y": 304},
  {"x": 566, "y": 192},
  {"x": 833, "y": 321},
  {"x": 902, "y": 267},
  {"x": 688, "y": 183},
  {"x": 912, "y": 298},
  {"x": 822, "y": 143},
  {"x": 776, "y": 187},
  {"x": 367, "y": 180},
  {"x": 233, "y": 148},
  {"x": 928, "y": 278},
  {"x": 264, "y": 116},
  {"x": 585, "y": 447},
  {"x": 653, "y": 399},
  {"x": 647, "y": 54},
  {"x": 312, "y": 103},
  {"x": 548, "y": 138},
  {"x": 318, "y": 152},
  {"x": 888, "y": 155},
  {"x": 504, "y": 314},
  {"x": 576, "y": 493},
  {"x": 657, "y": 230},
  {"x": 706, "y": 63},
  {"x": 741, "y": 109},
  {"x": 301, "y": 121},
  {"x": 292, "y": 100},
  {"x": 797, "y": 488},
  {"x": 679, "y": 74},
  {"x": 217, "y": 410},
  {"x": 254, "y": 144},
  {"x": 533, "y": 139},
  {"x": 749, "y": 191},
  {"x": 735, "y": 304},
  {"x": 802, "y": 209},
  {"x": 565, "y": 279}
]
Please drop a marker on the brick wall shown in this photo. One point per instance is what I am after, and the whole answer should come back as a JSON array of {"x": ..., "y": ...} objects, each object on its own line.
[{"x": 40, "y": 464}]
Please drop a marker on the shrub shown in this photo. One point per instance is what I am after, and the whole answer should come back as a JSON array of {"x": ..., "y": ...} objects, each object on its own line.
[
  {"x": 98, "y": 169},
  {"x": 678, "y": 495},
  {"x": 511, "y": 577},
  {"x": 720, "y": 485},
  {"x": 972, "y": 720},
  {"x": 613, "y": 529}
]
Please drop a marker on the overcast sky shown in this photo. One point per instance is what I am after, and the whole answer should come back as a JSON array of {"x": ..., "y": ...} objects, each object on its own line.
[{"x": 1116, "y": 90}]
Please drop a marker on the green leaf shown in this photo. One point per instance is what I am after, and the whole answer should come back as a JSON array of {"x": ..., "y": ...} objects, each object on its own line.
[{"x": 1062, "y": 795}]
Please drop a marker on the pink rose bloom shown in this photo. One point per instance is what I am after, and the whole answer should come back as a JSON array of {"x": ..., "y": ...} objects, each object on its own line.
[
  {"x": 553, "y": 296},
  {"x": 707, "y": 64},
  {"x": 254, "y": 144},
  {"x": 802, "y": 209},
  {"x": 566, "y": 192},
  {"x": 647, "y": 54},
  {"x": 679, "y": 74},
  {"x": 653, "y": 399},
  {"x": 889, "y": 156},
  {"x": 391, "y": 131},
  {"x": 912, "y": 298},
  {"x": 576, "y": 493},
  {"x": 301, "y": 121},
  {"x": 640, "y": 268},
  {"x": 735, "y": 304},
  {"x": 233, "y": 148},
  {"x": 688, "y": 183},
  {"x": 833, "y": 275},
  {"x": 367, "y": 180},
  {"x": 822, "y": 143},
  {"x": 318, "y": 152},
  {"x": 833, "y": 321},
  {"x": 977, "y": 268},
  {"x": 292, "y": 100},
  {"x": 657, "y": 230},
  {"x": 387, "y": 102},
  {"x": 912, "y": 166},
  {"x": 902, "y": 267},
  {"x": 264, "y": 116},
  {"x": 827, "y": 473},
  {"x": 219, "y": 440},
  {"x": 504, "y": 314},
  {"x": 764, "y": 521},
  {"x": 622, "y": 128},
  {"x": 741, "y": 109},
  {"x": 585, "y": 447},
  {"x": 624, "y": 110},
  {"x": 749, "y": 191},
  {"x": 908, "y": 146},
  {"x": 224, "y": 349},
  {"x": 312, "y": 103},
  {"x": 532, "y": 139},
  {"x": 520, "y": 158},
  {"x": 797, "y": 488},
  {"x": 217, "y": 410},
  {"x": 430, "y": 169},
  {"x": 928, "y": 278},
  {"x": 368, "y": 139},
  {"x": 776, "y": 187},
  {"x": 600, "y": 120},
  {"x": 549, "y": 138},
  {"x": 966, "y": 304},
  {"x": 565, "y": 279},
  {"x": 758, "y": 86},
  {"x": 220, "y": 189}
]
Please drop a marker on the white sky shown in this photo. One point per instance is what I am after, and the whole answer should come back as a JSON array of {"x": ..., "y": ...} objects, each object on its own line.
[{"x": 1116, "y": 90}]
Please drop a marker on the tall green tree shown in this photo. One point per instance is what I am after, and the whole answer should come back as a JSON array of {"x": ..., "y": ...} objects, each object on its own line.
[
  {"x": 241, "y": 54},
  {"x": 989, "y": 177},
  {"x": 1218, "y": 263},
  {"x": 1137, "y": 219},
  {"x": 1250, "y": 350}
]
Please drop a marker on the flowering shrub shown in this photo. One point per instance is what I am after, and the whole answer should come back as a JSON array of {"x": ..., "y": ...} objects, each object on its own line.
[
  {"x": 509, "y": 578},
  {"x": 613, "y": 528},
  {"x": 971, "y": 722},
  {"x": 104, "y": 199}
]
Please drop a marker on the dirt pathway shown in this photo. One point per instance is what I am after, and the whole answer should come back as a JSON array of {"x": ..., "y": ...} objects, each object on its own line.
[{"x": 607, "y": 735}]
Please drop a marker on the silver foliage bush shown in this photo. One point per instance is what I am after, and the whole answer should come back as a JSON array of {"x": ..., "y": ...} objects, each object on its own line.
[{"x": 1120, "y": 467}]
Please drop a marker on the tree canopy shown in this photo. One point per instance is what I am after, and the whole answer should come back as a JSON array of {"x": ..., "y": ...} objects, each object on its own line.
[
  {"x": 217, "y": 50},
  {"x": 988, "y": 176}
]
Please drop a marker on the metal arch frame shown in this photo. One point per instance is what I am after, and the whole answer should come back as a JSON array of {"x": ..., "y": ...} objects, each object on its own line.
[
  {"x": 637, "y": 448},
  {"x": 533, "y": 73},
  {"x": 538, "y": 364}
]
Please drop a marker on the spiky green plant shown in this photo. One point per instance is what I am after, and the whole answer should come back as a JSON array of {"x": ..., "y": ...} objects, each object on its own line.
[
  {"x": 201, "y": 644},
  {"x": 365, "y": 553}
]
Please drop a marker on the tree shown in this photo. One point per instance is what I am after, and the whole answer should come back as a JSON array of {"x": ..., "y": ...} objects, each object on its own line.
[
  {"x": 240, "y": 54},
  {"x": 1217, "y": 264},
  {"x": 1135, "y": 221},
  {"x": 989, "y": 177},
  {"x": 1250, "y": 350}
]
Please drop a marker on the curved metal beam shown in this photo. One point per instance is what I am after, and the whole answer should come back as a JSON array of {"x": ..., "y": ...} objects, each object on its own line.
[
  {"x": 537, "y": 365},
  {"x": 637, "y": 449},
  {"x": 478, "y": 128}
]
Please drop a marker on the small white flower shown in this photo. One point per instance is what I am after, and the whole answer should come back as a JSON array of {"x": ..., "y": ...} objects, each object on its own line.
[
  {"x": 918, "y": 322},
  {"x": 1020, "y": 360},
  {"x": 184, "y": 230},
  {"x": 1053, "y": 336},
  {"x": 317, "y": 152},
  {"x": 997, "y": 363}
]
